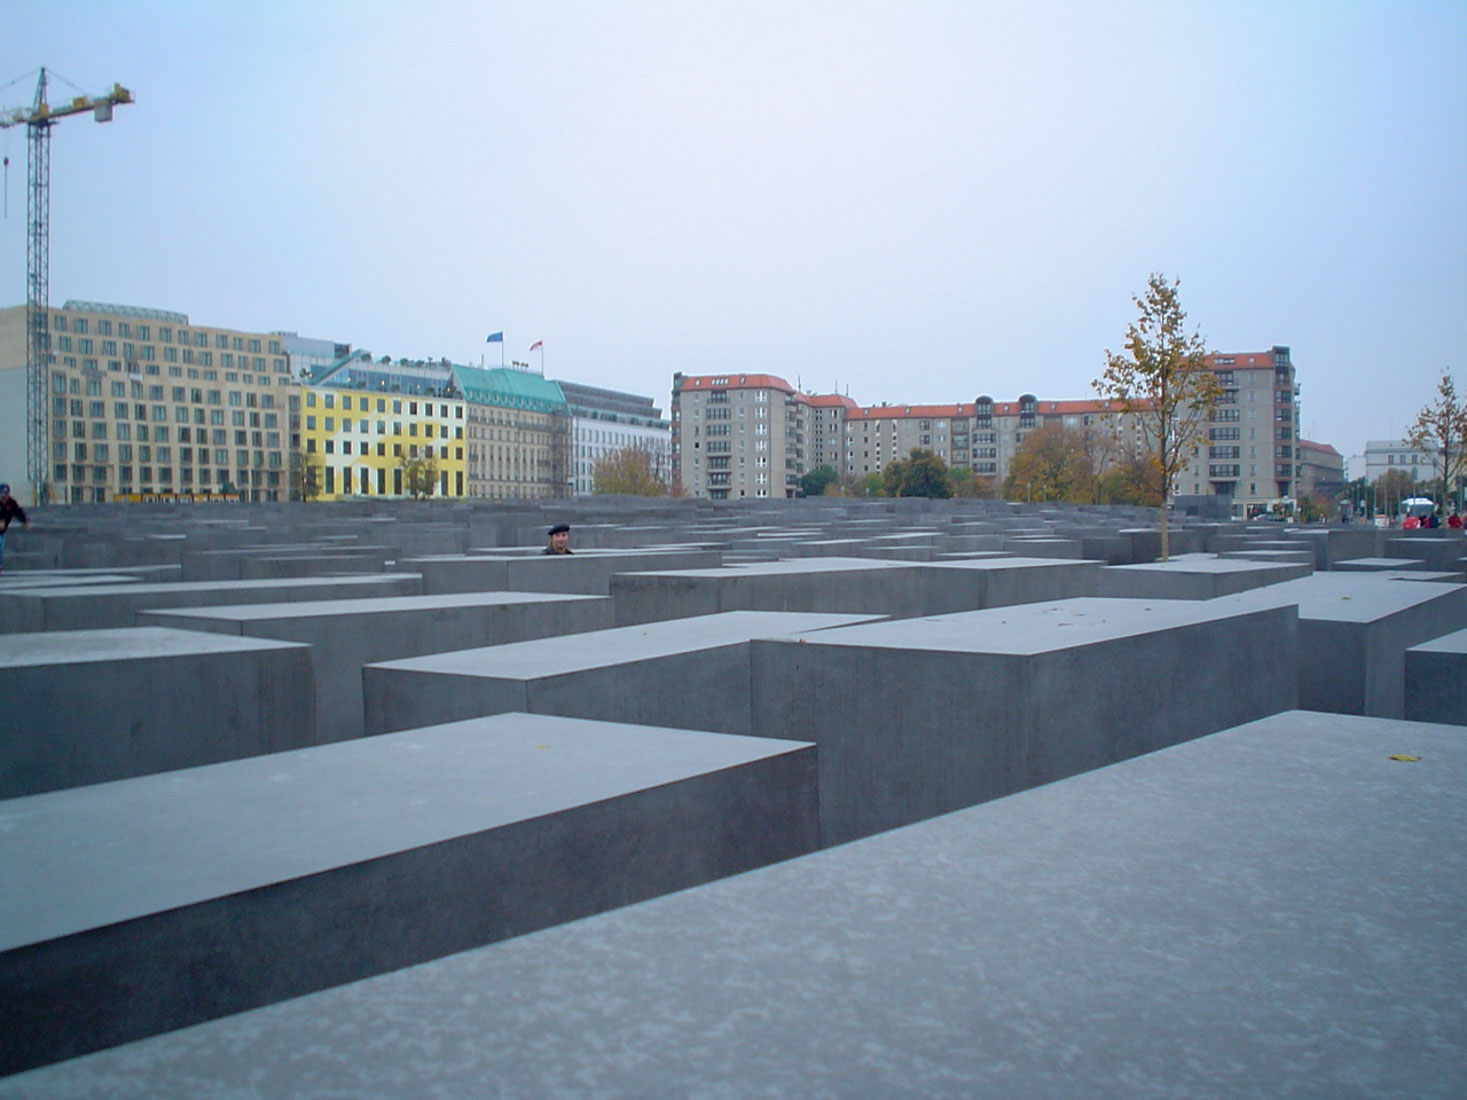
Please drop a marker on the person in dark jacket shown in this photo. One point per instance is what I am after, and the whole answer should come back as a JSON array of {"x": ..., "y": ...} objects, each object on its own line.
[
  {"x": 10, "y": 509},
  {"x": 559, "y": 539}
]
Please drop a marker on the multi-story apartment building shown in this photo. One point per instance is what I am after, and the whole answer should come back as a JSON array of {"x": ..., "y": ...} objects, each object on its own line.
[
  {"x": 722, "y": 451},
  {"x": 604, "y": 421},
  {"x": 982, "y": 437},
  {"x": 877, "y": 435},
  {"x": 1000, "y": 428},
  {"x": 1249, "y": 451},
  {"x": 738, "y": 436},
  {"x": 143, "y": 402},
  {"x": 826, "y": 420}
]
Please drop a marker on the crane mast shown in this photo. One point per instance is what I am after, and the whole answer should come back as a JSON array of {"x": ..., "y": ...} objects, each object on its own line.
[{"x": 38, "y": 120}]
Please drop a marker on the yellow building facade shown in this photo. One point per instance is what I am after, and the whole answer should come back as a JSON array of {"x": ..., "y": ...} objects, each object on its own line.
[{"x": 359, "y": 443}]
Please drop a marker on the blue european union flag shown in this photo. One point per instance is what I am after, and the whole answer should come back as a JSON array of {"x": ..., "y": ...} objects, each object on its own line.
[{"x": 495, "y": 338}]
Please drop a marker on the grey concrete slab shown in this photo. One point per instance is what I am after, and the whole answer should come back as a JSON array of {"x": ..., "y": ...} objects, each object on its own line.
[
  {"x": 97, "y": 607},
  {"x": 53, "y": 578},
  {"x": 839, "y": 585},
  {"x": 94, "y": 705},
  {"x": 1354, "y": 630},
  {"x": 977, "y": 583},
  {"x": 224, "y": 563},
  {"x": 899, "y": 553},
  {"x": 851, "y": 585},
  {"x": 585, "y": 572},
  {"x": 1146, "y": 541},
  {"x": 319, "y": 564},
  {"x": 1031, "y": 546},
  {"x": 1107, "y": 549},
  {"x": 1440, "y": 551},
  {"x": 1194, "y": 577},
  {"x": 1379, "y": 565},
  {"x": 348, "y": 634},
  {"x": 11, "y": 581},
  {"x": 923, "y": 716},
  {"x": 1223, "y": 542},
  {"x": 691, "y": 673},
  {"x": 1332, "y": 545},
  {"x": 1436, "y": 680},
  {"x": 138, "y": 907},
  {"x": 1304, "y": 555},
  {"x": 1272, "y": 910}
]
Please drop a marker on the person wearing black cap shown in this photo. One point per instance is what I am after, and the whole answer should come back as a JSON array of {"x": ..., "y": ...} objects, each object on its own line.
[
  {"x": 559, "y": 539},
  {"x": 10, "y": 510}
]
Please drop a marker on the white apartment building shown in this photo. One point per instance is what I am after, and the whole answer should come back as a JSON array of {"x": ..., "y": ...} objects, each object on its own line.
[{"x": 604, "y": 421}]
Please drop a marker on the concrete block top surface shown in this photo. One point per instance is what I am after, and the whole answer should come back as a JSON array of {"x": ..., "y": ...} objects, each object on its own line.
[
  {"x": 1029, "y": 629},
  {"x": 1271, "y": 910},
  {"x": 780, "y": 568},
  {"x": 11, "y": 582},
  {"x": 1349, "y": 597},
  {"x": 91, "y": 592},
  {"x": 375, "y": 605},
  {"x": 536, "y": 552},
  {"x": 1009, "y": 561},
  {"x": 133, "y": 643},
  {"x": 624, "y": 644},
  {"x": 1208, "y": 564},
  {"x": 92, "y": 856},
  {"x": 1453, "y": 643}
]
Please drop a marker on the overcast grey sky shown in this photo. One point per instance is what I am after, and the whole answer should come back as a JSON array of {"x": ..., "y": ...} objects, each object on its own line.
[{"x": 913, "y": 201}]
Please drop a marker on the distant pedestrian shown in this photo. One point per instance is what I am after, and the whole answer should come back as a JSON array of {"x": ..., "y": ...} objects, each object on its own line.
[
  {"x": 1454, "y": 521},
  {"x": 10, "y": 509},
  {"x": 559, "y": 539},
  {"x": 1435, "y": 520}
]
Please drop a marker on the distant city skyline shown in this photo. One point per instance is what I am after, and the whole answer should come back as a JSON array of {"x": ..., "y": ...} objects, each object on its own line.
[{"x": 914, "y": 202}]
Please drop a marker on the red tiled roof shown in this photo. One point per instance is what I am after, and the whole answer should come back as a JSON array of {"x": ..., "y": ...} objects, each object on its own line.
[
  {"x": 1323, "y": 448},
  {"x": 735, "y": 382},
  {"x": 902, "y": 412},
  {"x": 1062, "y": 408},
  {"x": 831, "y": 400},
  {"x": 1241, "y": 360}
]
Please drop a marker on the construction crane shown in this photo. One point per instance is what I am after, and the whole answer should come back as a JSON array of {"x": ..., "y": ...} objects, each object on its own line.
[{"x": 39, "y": 117}]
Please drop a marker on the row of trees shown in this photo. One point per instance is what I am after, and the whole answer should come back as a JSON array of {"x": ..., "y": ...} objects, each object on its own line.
[
  {"x": 419, "y": 475},
  {"x": 923, "y": 473},
  {"x": 1054, "y": 463}
]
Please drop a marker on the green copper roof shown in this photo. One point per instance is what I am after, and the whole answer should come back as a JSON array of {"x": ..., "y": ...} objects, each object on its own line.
[{"x": 507, "y": 388}]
